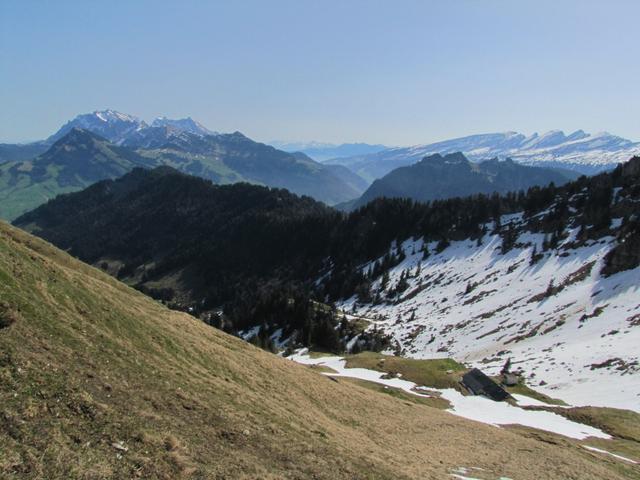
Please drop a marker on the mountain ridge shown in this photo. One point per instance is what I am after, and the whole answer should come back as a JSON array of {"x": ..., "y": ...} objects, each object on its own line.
[
  {"x": 580, "y": 151},
  {"x": 452, "y": 175},
  {"x": 184, "y": 144}
]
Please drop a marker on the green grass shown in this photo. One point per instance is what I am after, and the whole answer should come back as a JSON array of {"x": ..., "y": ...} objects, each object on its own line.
[
  {"x": 435, "y": 402},
  {"x": 319, "y": 354},
  {"x": 623, "y": 424},
  {"x": 523, "y": 389},
  {"x": 436, "y": 373}
]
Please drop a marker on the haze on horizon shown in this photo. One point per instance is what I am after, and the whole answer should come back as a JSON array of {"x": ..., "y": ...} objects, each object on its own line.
[{"x": 397, "y": 73}]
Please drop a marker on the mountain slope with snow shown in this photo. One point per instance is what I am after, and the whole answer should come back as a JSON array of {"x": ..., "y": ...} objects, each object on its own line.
[
  {"x": 580, "y": 151},
  {"x": 571, "y": 330},
  {"x": 184, "y": 124}
]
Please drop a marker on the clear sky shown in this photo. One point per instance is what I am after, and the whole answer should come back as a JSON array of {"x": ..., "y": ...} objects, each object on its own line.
[{"x": 394, "y": 72}]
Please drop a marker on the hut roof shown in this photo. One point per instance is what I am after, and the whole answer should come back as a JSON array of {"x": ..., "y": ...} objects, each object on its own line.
[{"x": 479, "y": 384}]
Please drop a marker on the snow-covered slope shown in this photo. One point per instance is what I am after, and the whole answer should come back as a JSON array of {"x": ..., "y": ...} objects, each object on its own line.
[
  {"x": 573, "y": 332},
  {"x": 584, "y": 152}
]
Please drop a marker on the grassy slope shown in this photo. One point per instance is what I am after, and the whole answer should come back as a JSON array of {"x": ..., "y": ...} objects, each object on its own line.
[
  {"x": 23, "y": 195},
  {"x": 21, "y": 192},
  {"x": 210, "y": 167},
  {"x": 437, "y": 373},
  {"x": 89, "y": 367}
]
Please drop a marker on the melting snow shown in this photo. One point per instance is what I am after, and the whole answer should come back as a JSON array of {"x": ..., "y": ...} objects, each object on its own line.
[
  {"x": 620, "y": 457},
  {"x": 480, "y": 306},
  {"x": 472, "y": 407}
]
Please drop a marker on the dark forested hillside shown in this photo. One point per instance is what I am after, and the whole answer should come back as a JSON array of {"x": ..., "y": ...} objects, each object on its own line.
[
  {"x": 437, "y": 177},
  {"x": 183, "y": 239},
  {"x": 179, "y": 235}
]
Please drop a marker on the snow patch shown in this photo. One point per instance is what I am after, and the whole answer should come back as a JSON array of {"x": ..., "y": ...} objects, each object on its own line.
[
  {"x": 476, "y": 408},
  {"x": 569, "y": 330}
]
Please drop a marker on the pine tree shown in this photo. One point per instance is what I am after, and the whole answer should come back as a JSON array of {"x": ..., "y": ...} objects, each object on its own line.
[
  {"x": 442, "y": 245},
  {"x": 497, "y": 225},
  {"x": 534, "y": 256},
  {"x": 506, "y": 367},
  {"x": 385, "y": 280},
  {"x": 550, "y": 289},
  {"x": 469, "y": 288}
]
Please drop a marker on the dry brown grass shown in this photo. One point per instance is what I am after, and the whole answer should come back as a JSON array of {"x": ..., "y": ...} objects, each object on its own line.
[{"x": 92, "y": 364}]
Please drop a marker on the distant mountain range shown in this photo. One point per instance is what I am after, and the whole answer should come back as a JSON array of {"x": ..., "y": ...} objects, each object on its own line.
[
  {"x": 453, "y": 175},
  {"x": 324, "y": 152},
  {"x": 115, "y": 142},
  {"x": 107, "y": 144},
  {"x": 583, "y": 152}
]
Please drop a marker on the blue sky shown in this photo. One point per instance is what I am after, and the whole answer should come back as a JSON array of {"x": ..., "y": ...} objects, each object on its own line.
[{"x": 394, "y": 72}]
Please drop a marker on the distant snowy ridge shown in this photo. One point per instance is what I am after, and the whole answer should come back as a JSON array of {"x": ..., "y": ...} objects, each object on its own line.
[
  {"x": 121, "y": 128},
  {"x": 183, "y": 124},
  {"x": 584, "y": 152}
]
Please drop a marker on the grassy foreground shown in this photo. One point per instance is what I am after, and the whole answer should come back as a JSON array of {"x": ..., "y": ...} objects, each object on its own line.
[{"x": 98, "y": 381}]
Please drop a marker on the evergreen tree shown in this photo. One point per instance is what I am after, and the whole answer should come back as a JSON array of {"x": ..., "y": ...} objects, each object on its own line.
[{"x": 384, "y": 282}]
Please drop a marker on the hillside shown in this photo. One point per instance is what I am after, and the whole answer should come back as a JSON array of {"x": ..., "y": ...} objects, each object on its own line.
[
  {"x": 553, "y": 287},
  {"x": 75, "y": 161},
  {"x": 265, "y": 165},
  {"x": 100, "y": 381},
  {"x": 437, "y": 177},
  {"x": 579, "y": 151},
  {"x": 11, "y": 152},
  {"x": 184, "y": 238}
]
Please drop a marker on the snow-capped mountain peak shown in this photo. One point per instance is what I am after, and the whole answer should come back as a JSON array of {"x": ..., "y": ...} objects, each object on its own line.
[
  {"x": 110, "y": 124},
  {"x": 111, "y": 116},
  {"x": 122, "y": 128},
  {"x": 581, "y": 151},
  {"x": 185, "y": 124}
]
